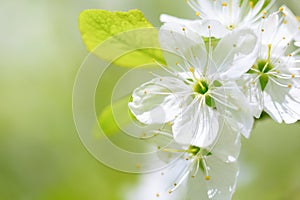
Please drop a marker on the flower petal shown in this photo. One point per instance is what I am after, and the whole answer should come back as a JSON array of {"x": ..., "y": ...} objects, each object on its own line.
[
  {"x": 159, "y": 100},
  {"x": 234, "y": 108},
  {"x": 197, "y": 126},
  {"x": 235, "y": 54}
]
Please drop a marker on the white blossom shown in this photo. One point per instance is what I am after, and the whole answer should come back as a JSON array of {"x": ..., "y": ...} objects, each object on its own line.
[
  {"x": 194, "y": 173},
  {"x": 200, "y": 89},
  {"x": 272, "y": 84}
]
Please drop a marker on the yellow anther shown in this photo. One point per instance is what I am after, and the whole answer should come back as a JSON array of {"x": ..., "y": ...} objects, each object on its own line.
[
  {"x": 289, "y": 85},
  {"x": 192, "y": 70},
  {"x": 138, "y": 165},
  {"x": 293, "y": 75},
  {"x": 177, "y": 63},
  {"x": 281, "y": 9},
  {"x": 145, "y": 92},
  {"x": 251, "y": 4},
  {"x": 207, "y": 178},
  {"x": 283, "y": 38},
  {"x": 208, "y": 26},
  {"x": 299, "y": 28},
  {"x": 290, "y": 55},
  {"x": 262, "y": 30},
  {"x": 264, "y": 12},
  {"x": 197, "y": 14},
  {"x": 231, "y": 26},
  {"x": 183, "y": 29},
  {"x": 298, "y": 18},
  {"x": 157, "y": 195},
  {"x": 224, "y": 4},
  {"x": 285, "y": 21}
]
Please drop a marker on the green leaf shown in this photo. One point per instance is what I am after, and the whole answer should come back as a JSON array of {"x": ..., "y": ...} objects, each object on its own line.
[
  {"x": 127, "y": 39},
  {"x": 107, "y": 119},
  {"x": 263, "y": 80}
]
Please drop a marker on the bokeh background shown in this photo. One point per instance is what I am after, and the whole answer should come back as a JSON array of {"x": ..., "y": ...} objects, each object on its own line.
[{"x": 41, "y": 156}]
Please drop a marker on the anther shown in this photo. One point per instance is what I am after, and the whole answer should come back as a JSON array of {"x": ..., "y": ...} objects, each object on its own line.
[
  {"x": 224, "y": 4},
  {"x": 262, "y": 30},
  {"x": 251, "y": 4},
  {"x": 157, "y": 195},
  {"x": 138, "y": 165},
  {"x": 289, "y": 85},
  {"x": 192, "y": 70},
  {"x": 293, "y": 75},
  {"x": 183, "y": 29},
  {"x": 208, "y": 26},
  {"x": 197, "y": 14},
  {"x": 207, "y": 178},
  {"x": 281, "y": 9}
]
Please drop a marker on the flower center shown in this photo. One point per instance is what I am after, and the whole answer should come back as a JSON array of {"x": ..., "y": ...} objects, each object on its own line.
[
  {"x": 264, "y": 66},
  {"x": 194, "y": 150},
  {"x": 200, "y": 87}
]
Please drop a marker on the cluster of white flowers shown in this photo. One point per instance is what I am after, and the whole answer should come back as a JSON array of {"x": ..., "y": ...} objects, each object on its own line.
[{"x": 225, "y": 68}]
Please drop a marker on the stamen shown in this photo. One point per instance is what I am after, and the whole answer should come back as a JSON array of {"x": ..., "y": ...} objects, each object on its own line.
[
  {"x": 251, "y": 4},
  {"x": 192, "y": 70},
  {"x": 207, "y": 177},
  {"x": 281, "y": 9},
  {"x": 224, "y": 4},
  {"x": 198, "y": 14},
  {"x": 269, "y": 52}
]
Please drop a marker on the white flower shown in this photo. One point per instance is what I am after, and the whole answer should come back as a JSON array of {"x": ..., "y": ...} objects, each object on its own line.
[
  {"x": 223, "y": 15},
  {"x": 202, "y": 88},
  {"x": 196, "y": 173},
  {"x": 273, "y": 81}
]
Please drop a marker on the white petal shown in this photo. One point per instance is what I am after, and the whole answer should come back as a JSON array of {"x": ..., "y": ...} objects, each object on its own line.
[
  {"x": 198, "y": 126},
  {"x": 253, "y": 93},
  {"x": 157, "y": 185},
  {"x": 235, "y": 108},
  {"x": 282, "y": 104},
  {"x": 182, "y": 48},
  {"x": 160, "y": 100},
  {"x": 235, "y": 54},
  {"x": 228, "y": 145}
]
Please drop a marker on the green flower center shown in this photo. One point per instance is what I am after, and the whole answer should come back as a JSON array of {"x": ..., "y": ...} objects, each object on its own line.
[
  {"x": 194, "y": 150},
  {"x": 201, "y": 87},
  {"x": 264, "y": 66}
]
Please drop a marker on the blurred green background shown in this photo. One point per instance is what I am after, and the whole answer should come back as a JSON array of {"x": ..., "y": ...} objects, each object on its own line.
[{"x": 41, "y": 156}]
